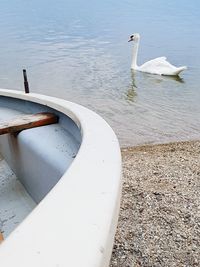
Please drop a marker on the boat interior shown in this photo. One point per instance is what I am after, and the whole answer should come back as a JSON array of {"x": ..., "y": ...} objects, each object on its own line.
[
  {"x": 15, "y": 201},
  {"x": 32, "y": 161}
]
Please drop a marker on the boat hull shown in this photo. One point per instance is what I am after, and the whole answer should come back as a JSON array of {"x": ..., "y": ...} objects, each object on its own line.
[{"x": 75, "y": 221}]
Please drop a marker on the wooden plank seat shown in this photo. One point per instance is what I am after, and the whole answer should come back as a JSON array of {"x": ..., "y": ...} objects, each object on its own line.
[{"x": 27, "y": 121}]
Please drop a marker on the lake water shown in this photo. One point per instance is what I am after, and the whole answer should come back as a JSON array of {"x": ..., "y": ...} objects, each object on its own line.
[{"x": 78, "y": 50}]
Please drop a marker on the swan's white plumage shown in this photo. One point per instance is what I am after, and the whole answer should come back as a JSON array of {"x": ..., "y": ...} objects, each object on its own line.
[{"x": 158, "y": 65}]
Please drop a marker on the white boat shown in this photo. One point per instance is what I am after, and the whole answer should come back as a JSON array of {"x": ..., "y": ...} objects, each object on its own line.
[{"x": 63, "y": 208}]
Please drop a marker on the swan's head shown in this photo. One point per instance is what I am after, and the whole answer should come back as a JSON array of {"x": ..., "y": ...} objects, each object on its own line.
[{"x": 134, "y": 37}]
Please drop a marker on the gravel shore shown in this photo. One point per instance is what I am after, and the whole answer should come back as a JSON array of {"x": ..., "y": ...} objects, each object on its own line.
[{"x": 159, "y": 222}]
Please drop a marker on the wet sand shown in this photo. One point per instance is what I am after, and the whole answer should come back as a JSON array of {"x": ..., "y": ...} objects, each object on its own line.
[{"x": 159, "y": 222}]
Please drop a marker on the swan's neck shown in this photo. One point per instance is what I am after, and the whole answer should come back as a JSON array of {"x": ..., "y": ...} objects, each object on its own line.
[{"x": 134, "y": 55}]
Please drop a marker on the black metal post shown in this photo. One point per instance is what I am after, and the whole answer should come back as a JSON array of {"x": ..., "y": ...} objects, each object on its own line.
[{"x": 26, "y": 86}]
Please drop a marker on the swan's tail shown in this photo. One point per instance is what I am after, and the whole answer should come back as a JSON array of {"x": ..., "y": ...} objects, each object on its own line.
[{"x": 180, "y": 69}]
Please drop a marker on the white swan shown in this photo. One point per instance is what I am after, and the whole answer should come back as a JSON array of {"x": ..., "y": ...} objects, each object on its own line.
[{"x": 158, "y": 65}]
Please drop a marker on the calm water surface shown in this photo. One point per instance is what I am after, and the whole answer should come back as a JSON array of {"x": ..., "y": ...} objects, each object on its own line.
[{"x": 78, "y": 50}]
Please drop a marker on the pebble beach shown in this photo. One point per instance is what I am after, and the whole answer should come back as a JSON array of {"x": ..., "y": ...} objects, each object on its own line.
[{"x": 159, "y": 221}]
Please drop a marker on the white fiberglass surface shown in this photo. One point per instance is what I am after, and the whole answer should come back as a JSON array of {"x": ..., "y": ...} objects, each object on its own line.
[{"x": 15, "y": 202}]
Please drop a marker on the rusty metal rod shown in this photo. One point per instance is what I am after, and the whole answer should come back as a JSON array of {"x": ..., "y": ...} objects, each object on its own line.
[{"x": 26, "y": 86}]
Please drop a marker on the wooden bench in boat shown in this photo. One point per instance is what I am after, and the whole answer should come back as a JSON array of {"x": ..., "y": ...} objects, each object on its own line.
[{"x": 27, "y": 121}]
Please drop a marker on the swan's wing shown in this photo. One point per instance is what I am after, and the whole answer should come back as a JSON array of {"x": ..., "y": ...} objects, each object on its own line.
[
  {"x": 159, "y": 59},
  {"x": 158, "y": 65}
]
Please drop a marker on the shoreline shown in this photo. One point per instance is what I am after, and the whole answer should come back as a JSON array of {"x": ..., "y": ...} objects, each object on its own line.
[
  {"x": 159, "y": 221},
  {"x": 157, "y": 144}
]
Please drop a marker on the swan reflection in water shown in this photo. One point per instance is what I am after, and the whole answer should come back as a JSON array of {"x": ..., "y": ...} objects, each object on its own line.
[
  {"x": 176, "y": 78},
  {"x": 153, "y": 79},
  {"x": 147, "y": 80},
  {"x": 131, "y": 92}
]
